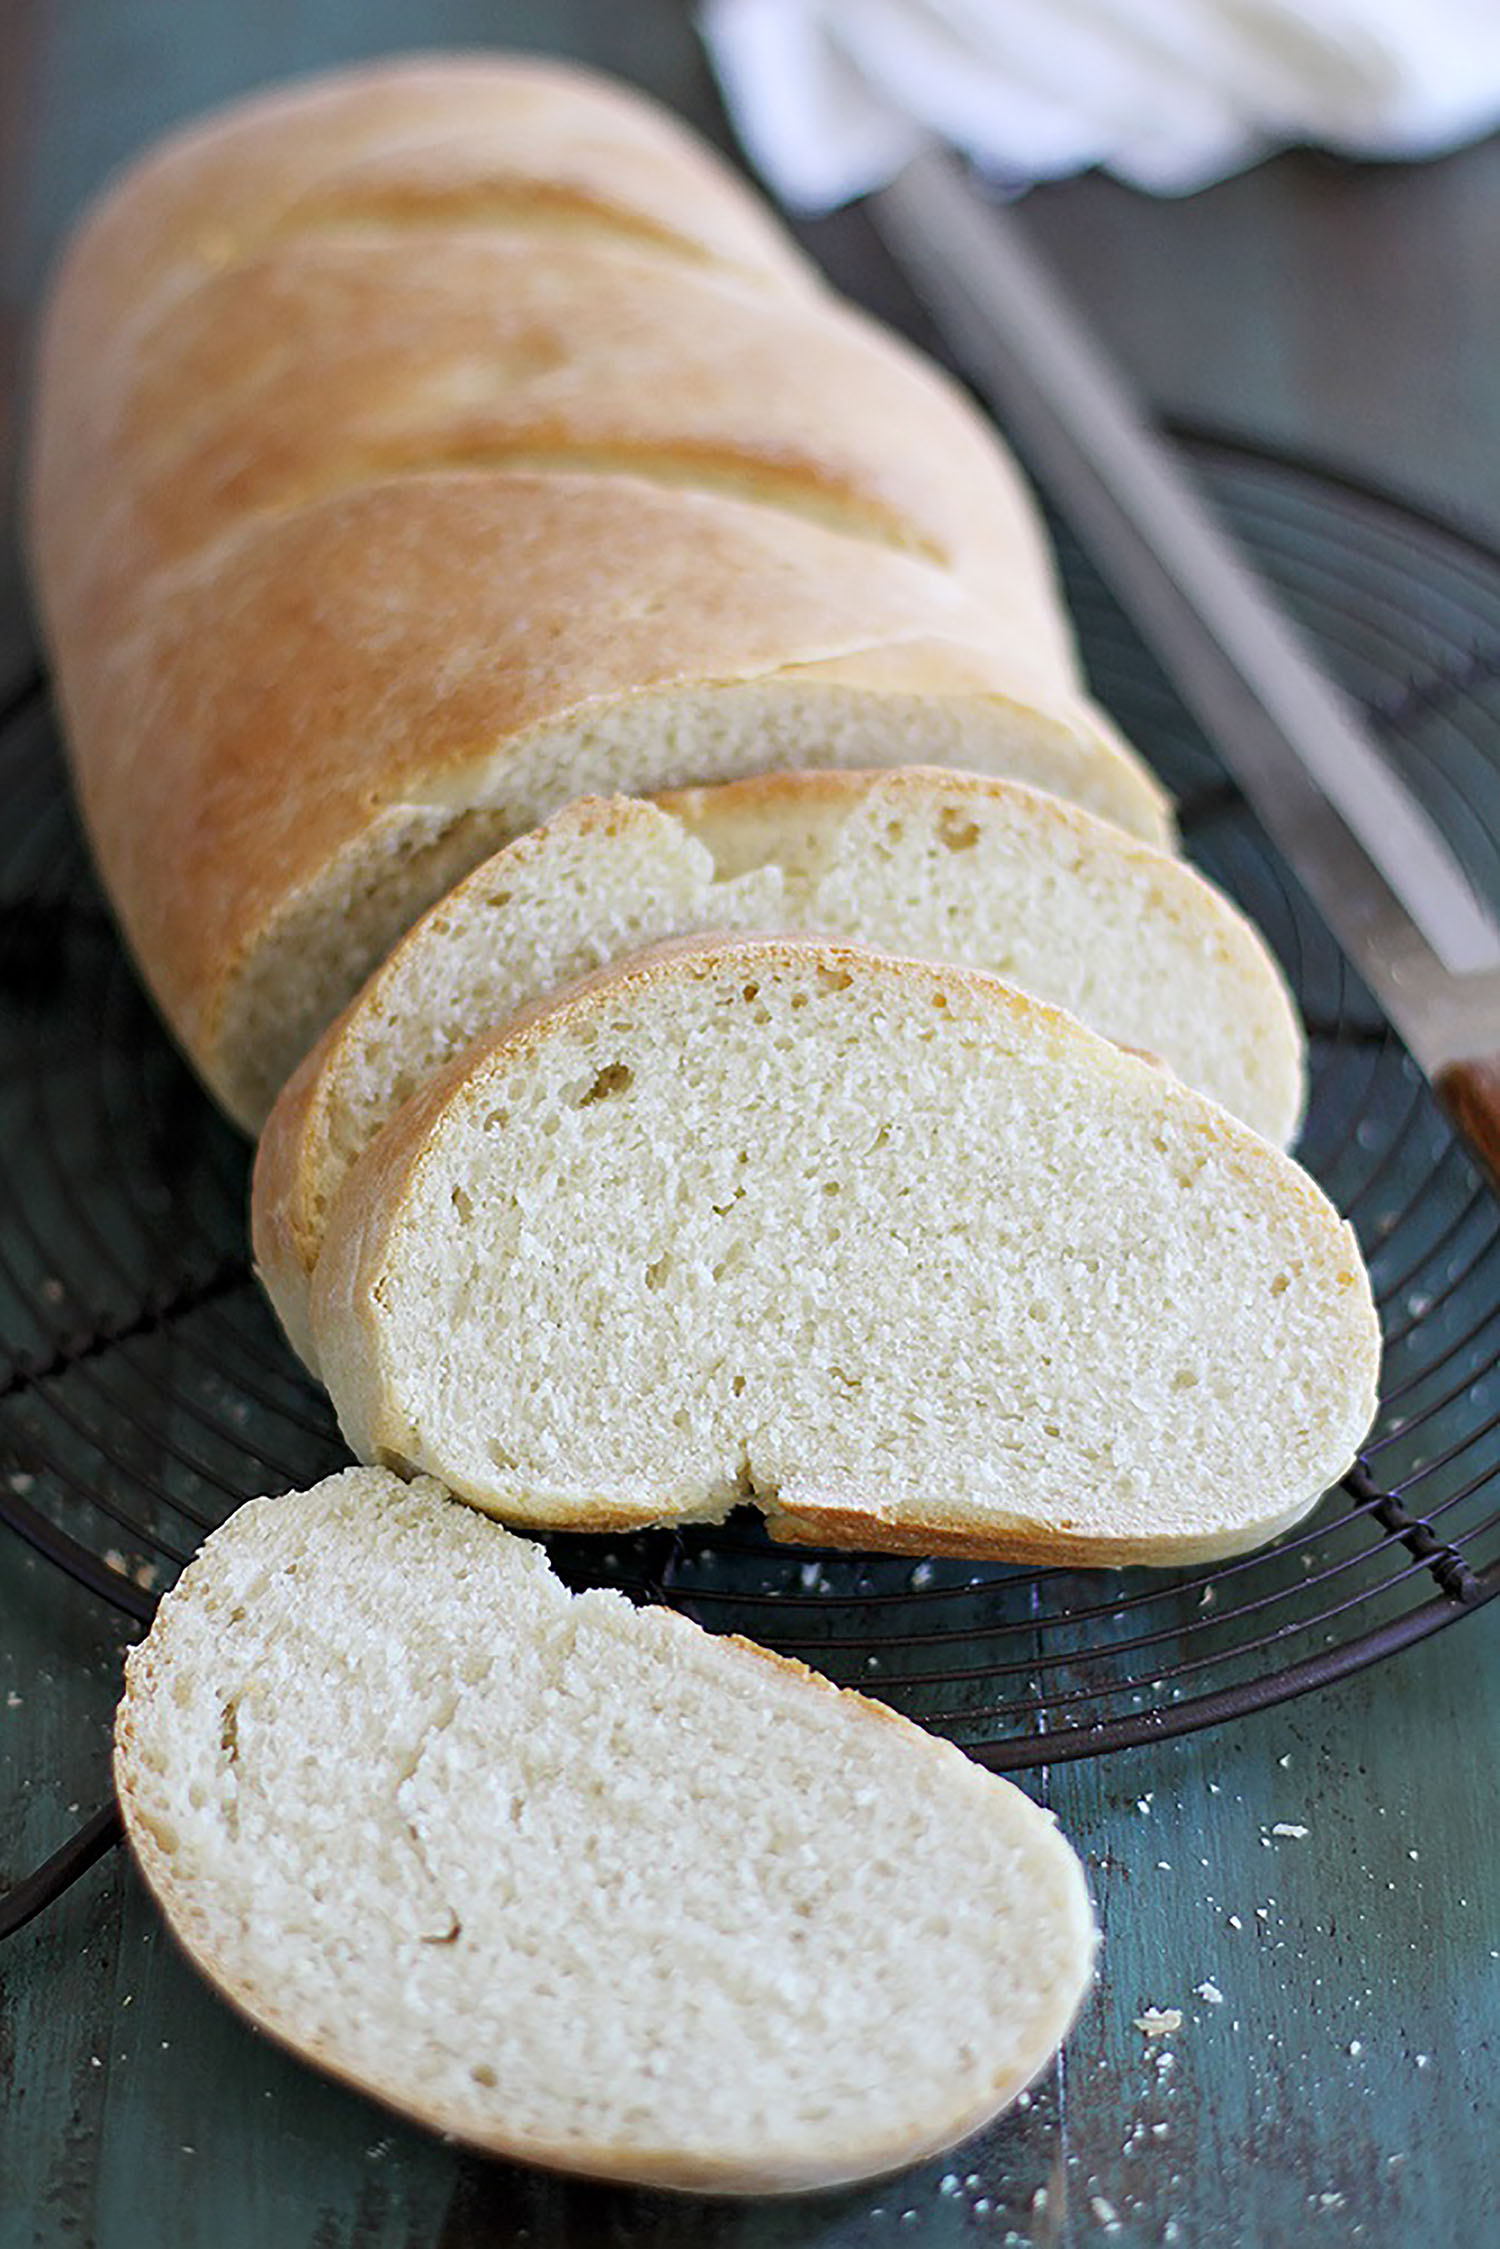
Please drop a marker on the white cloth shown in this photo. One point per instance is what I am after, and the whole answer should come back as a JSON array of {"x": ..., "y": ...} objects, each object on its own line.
[{"x": 832, "y": 96}]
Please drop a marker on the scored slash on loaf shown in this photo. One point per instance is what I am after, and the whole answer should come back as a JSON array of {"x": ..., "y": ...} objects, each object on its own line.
[{"x": 904, "y": 1258}]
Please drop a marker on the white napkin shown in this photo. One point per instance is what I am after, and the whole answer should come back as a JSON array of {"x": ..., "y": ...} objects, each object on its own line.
[{"x": 832, "y": 96}]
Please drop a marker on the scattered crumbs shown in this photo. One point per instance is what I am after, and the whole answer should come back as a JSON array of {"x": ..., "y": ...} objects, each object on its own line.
[
  {"x": 146, "y": 1575},
  {"x": 12, "y": 1700},
  {"x": 1164, "y": 1866},
  {"x": 188, "y": 2150},
  {"x": 1262, "y": 1913},
  {"x": 1210, "y": 1991},
  {"x": 1039, "y": 2199},
  {"x": 1105, "y": 2212},
  {"x": 1213, "y": 1788},
  {"x": 20, "y": 1483},
  {"x": 909, "y": 2217},
  {"x": 1171, "y": 2231},
  {"x": 1289, "y": 1827},
  {"x": 114, "y": 1560},
  {"x": 52, "y": 1289},
  {"x": 125, "y": 2002},
  {"x": 1160, "y": 2131},
  {"x": 1330, "y": 2202},
  {"x": 1411, "y": 1854},
  {"x": 981, "y": 2205},
  {"x": 1355, "y": 2048},
  {"x": 165, "y": 2044},
  {"x": 377, "y": 2149},
  {"x": 1235, "y": 1922},
  {"x": 948, "y": 2183},
  {"x": 972, "y": 2179},
  {"x": 1023, "y": 2100},
  {"x": 1283, "y": 1762},
  {"x": 1206, "y": 1597},
  {"x": 921, "y": 1577},
  {"x": 1166, "y": 2062},
  {"x": 94, "y": 2062},
  {"x": 1143, "y": 1803},
  {"x": 810, "y": 1577},
  {"x": 1423, "y": 2060},
  {"x": 1159, "y": 2022}
]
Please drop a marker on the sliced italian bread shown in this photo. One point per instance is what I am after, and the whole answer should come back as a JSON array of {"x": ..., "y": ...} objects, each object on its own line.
[
  {"x": 904, "y": 1257},
  {"x": 577, "y": 1882},
  {"x": 951, "y": 866}
]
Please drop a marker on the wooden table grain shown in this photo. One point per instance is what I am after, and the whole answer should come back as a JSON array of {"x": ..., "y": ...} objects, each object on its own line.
[{"x": 1312, "y": 1888}]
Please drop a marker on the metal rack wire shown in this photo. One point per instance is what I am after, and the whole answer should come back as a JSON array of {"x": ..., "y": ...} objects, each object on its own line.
[{"x": 144, "y": 1390}]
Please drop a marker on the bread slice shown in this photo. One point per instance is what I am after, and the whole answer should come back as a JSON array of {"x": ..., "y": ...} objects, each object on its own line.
[
  {"x": 951, "y": 866},
  {"x": 903, "y": 1257},
  {"x": 573, "y": 1881}
]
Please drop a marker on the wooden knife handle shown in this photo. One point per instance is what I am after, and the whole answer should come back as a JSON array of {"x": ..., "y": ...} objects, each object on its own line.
[{"x": 1470, "y": 1092}]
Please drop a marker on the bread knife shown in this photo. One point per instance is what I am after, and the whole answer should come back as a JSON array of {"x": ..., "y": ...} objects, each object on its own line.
[{"x": 1379, "y": 871}]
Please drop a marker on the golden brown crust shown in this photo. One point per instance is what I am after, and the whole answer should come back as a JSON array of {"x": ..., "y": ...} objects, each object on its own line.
[
  {"x": 301, "y": 306},
  {"x": 370, "y": 653},
  {"x": 326, "y": 363},
  {"x": 386, "y": 145},
  {"x": 813, "y": 1524}
]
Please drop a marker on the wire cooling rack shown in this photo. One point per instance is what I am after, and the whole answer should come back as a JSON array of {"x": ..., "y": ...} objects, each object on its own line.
[{"x": 145, "y": 1391}]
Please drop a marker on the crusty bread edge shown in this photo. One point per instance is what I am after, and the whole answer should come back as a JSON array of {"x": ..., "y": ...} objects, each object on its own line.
[
  {"x": 191, "y": 1928},
  {"x": 283, "y": 1233}
]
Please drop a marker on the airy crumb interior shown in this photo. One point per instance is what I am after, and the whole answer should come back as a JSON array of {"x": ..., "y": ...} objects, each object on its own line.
[
  {"x": 836, "y": 1230},
  {"x": 565, "y": 1870}
]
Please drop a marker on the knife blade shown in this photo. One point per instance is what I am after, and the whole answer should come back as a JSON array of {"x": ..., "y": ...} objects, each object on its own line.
[{"x": 1376, "y": 866}]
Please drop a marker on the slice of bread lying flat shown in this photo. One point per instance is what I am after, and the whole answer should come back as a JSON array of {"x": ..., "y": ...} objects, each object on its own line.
[
  {"x": 905, "y": 1258},
  {"x": 578, "y": 1882},
  {"x": 950, "y": 866}
]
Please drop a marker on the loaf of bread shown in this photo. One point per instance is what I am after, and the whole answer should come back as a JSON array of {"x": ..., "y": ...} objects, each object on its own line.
[
  {"x": 573, "y": 1881},
  {"x": 902, "y": 1257},
  {"x": 421, "y": 449},
  {"x": 950, "y": 866}
]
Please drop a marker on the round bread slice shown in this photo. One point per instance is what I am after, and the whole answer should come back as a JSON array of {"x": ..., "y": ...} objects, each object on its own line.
[
  {"x": 573, "y": 1881},
  {"x": 949, "y": 866},
  {"x": 904, "y": 1257}
]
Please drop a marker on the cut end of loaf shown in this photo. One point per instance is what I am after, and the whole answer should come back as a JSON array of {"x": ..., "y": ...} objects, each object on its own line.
[
  {"x": 518, "y": 1862},
  {"x": 274, "y": 994}
]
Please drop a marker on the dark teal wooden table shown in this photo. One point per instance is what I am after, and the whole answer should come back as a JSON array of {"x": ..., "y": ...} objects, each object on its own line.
[{"x": 1313, "y": 1888}]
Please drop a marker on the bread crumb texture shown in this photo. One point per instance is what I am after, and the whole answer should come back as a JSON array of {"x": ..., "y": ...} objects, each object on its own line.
[
  {"x": 887, "y": 1248},
  {"x": 573, "y": 1880}
]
